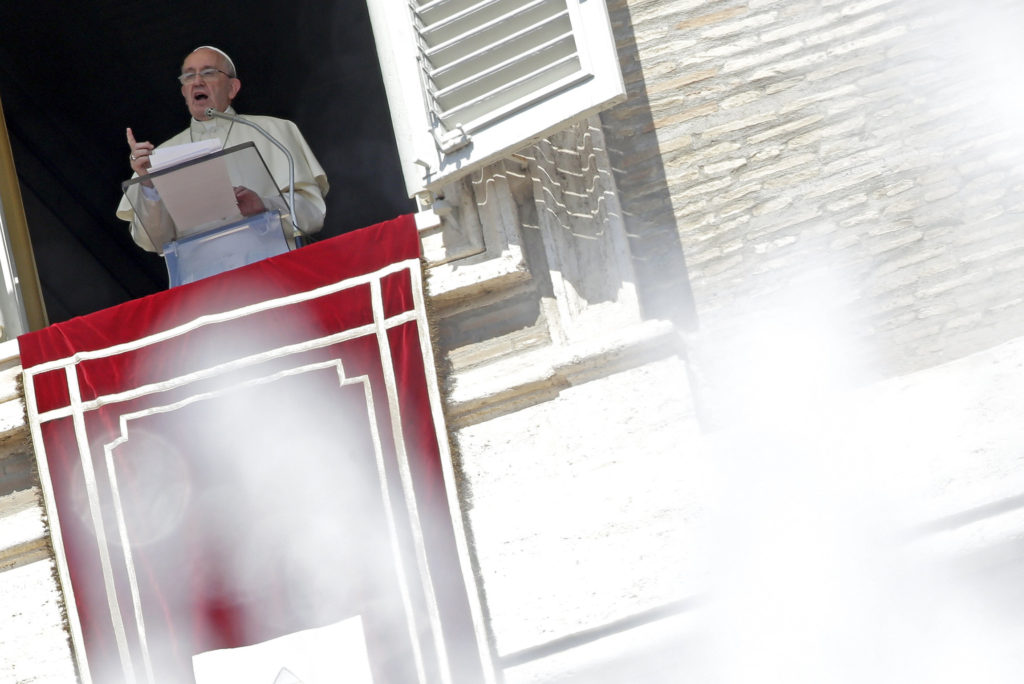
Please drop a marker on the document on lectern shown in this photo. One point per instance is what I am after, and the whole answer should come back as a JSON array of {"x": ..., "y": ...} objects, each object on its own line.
[
  {"x": 176, "y": 154},
  {"x": 202, "y": 196}
]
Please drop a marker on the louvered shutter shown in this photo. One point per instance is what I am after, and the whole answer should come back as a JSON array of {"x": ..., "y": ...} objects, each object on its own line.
[{"x": 472, "y": 80}]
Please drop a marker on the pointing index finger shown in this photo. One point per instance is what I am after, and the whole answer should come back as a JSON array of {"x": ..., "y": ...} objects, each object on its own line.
[{"x": 131, "y": 137}]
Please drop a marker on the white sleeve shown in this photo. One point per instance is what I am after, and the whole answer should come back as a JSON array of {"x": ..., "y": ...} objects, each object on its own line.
[
  {"x": 149, "y": 211},
  {"x": 309, "y": 213}
]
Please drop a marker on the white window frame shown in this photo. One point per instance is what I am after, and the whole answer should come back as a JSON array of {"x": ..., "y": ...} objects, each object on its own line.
[{"x": 425, "y": 166}]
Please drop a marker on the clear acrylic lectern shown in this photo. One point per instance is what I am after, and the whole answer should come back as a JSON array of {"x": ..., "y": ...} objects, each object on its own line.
[{"x": 189, "y": 212}]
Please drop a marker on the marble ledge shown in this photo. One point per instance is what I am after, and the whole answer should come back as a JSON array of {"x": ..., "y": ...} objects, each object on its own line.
[{"x": 494, "y": 389}]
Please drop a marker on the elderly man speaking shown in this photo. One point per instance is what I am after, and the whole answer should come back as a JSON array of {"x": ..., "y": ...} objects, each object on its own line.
[{"x": 209, "y": 79}]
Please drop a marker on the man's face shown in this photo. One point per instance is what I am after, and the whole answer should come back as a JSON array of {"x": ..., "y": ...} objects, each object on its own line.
[{"x": 202, "y": 93}]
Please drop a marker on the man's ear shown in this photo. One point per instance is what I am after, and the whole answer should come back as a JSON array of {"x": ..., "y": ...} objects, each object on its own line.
[{"x": 236, "y": 85}]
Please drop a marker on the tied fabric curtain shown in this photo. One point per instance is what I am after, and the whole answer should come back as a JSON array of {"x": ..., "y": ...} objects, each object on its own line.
[{"x": 255, "y": 454}]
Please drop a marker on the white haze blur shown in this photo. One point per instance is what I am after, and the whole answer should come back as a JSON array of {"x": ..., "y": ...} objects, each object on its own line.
[
  {"x": 831, "y": 551},
  {"x": 285, "y": 523},
  {"x": 819, "y": 568},
  {"x": 834, "y": 551}
]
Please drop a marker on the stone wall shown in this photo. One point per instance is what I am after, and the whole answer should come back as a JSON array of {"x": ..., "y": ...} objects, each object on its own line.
[
  {"x": 559, "y": 390},
  {"x": 33, "y": 644},
  {"x": 820, "y": 196},
  {"x": 852, "y": 161}
]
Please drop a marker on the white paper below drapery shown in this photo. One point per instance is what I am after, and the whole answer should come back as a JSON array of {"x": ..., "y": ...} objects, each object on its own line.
[{"x": 325, "y": 655}]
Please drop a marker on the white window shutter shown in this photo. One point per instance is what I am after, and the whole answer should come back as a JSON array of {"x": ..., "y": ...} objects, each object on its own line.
[{"x": 470, "y": 81}]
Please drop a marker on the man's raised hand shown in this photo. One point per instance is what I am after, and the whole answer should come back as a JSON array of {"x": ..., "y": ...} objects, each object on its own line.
[{"x": 139, "y": 156}]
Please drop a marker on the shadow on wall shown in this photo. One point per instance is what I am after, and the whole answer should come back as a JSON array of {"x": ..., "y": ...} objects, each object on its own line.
[{"x": 636, "y": 160}]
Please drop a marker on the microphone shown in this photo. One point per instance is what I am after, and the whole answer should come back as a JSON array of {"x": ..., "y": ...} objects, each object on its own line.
[{"x": 211, "y": 112}]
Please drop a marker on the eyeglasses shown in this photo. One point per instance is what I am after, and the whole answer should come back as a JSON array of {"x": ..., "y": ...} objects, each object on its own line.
[{"x": 206, "y": 73}]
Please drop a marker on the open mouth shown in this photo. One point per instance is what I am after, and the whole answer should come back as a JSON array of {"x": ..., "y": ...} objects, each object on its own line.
[{"x": 200, "y": 97}]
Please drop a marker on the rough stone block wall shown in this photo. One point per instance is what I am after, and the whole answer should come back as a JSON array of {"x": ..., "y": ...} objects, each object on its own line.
[
  {"x": 851, "y": 161},
  {"x": 578, "y": 527},
  {"x": 33, "y": 644}
]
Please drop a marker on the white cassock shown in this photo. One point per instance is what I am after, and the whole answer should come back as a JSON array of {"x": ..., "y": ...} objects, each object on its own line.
[{"x": 310, "y": 180}]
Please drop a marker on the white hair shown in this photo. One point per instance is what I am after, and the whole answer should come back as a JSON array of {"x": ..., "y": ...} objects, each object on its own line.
[{"x": 231, "y": 64}]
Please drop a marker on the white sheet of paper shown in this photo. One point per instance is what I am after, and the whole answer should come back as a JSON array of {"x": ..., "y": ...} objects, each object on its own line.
[
  {"x": 198, "y": 196},
  {"x": 324, "y": 655},
  {"x": 175, "y": 154}
]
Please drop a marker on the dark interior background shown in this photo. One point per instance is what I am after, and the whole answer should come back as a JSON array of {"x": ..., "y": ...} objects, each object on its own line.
[{"x": 74, "y": 75}]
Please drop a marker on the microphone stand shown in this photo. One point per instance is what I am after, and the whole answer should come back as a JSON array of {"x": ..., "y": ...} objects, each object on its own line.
[{"x": 211, "y": 112}]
